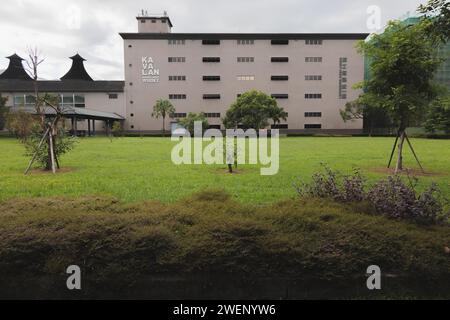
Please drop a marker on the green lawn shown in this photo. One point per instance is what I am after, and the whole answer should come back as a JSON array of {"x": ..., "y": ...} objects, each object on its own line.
[{"x": 134, "y": 169}]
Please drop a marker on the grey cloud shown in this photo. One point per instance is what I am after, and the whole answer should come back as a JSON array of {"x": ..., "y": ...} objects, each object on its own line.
[{"x": 45, "y": 24}]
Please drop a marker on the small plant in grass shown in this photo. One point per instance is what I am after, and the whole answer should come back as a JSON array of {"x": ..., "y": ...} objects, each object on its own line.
[
  {"x": 62, "y": 145},
  {"x": 117, "y": 129},
  {"x": 391, "y": 197}
]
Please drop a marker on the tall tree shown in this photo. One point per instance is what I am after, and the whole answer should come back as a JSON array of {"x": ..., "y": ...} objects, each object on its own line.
[
  {"x": 403, "y": 63},
  {"x": 253, "y": 109},
  {"x": 162, "y": 109},
  {"x": 366, "y": 109},
  {"x": 189, "y": 122},
  {"x": 437, "y": 14},
  {"x": 438, "y": 116},
  {"x": 55, "y": 142}
]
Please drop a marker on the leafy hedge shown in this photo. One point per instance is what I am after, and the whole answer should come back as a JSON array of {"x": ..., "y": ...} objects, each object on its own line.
[{"x": 208, "y": 234}]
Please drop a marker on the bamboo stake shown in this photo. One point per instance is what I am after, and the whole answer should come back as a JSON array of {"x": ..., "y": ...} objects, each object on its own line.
[
  {"x": 414, "y": 153},
  {"x": 52, "y": 155},
  {"x": 35, "y": 154},
  {"x": 393, "y": 149}
]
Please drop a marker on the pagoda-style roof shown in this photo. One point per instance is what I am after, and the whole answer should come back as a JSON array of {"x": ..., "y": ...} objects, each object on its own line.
[
  {"x": 15, "y": 69},
  {"x": 77, "y": 71}
]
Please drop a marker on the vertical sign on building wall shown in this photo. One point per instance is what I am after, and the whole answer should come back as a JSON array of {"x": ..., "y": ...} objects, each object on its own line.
[
  {"x": 343, "y": 78},
  {"x": 150, "y": 74}
]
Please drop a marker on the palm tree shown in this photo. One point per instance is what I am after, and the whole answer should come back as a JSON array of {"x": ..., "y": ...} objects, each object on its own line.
[
  {"x": 277, "y": 114},
  {"x": 161, "y": 109}
]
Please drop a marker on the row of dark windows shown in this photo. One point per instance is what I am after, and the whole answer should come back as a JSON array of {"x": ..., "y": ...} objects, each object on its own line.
[
  {"x": 247, "y": 42},
  {"x": 218, "y": 78},
  {"x": 207, "y": 115},
  {"x": 274, "y": 126},
  {"x": 243, "y": 59},
  {"x": 275, "y": 96}
]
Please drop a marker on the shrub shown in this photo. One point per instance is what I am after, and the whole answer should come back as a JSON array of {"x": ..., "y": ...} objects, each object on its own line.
[
  {"x": 390, "y": 196},
  {"x": 62, "y": 145},
  {"x": 208, "y": 237},
  {"x": 21, "y": 124},
  {"x": 328, "y": 184},
  {"x": 117, "y": 129},
  {"x": 395, "y": 199}
]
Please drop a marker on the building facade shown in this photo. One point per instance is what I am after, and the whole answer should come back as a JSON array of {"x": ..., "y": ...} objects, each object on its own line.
[
  {"x": 310, "y": 75},
  {"x": 88, "y": 105}
]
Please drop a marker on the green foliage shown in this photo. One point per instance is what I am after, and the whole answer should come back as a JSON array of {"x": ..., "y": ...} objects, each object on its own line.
[
  {"x": 403, "y": 64},
  {"x": 254, "y": 109},
  {"x": 62, "y": 144},
  {"x": 22, "y": 124},
  {"x": 438, "y": 116},
  {"x": 437, "y": 13},
  {"x": 189, "y": 122},
  {"x": 370, "y": 111},
  {"x": 3, "y": 111},
  {"x": 120, "y": 247},
  {"x": 117, "y": 129},
  {"x": 162, "y": 109}
]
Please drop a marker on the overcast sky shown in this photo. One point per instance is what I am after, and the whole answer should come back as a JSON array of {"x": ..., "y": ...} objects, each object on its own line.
[{"x": 90, "y": 27}]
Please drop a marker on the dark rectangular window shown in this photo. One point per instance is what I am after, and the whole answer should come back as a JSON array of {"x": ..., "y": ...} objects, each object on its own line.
[
  {"x": 211, "y": 96},
  {"x": 280, "y": 42},
  {"x": 113, "y": 96},
  {"x": 177, "y": 59},
  {"x": 212, "y": 115},
  {"x": 313, "y": 96},
  {"x": 177, "y": 78},
  {"x": 245, "y": 42},
  {"x": 313, "y": 126},
  {"x": 211, "y": 78},
  {"x": 280, "y": 78},
  {"x": 313, "y": 42},
  {"x": 178, "y": 115},
  {"x": 177, "y": 96},
  {"x": 313, "y": 114},
  {"x": 313, "y": 59},
  {"x": 280, "y": 126},
  {"x": 280, "y": 96},
  {"x": 211, "y": 42},
  {"x": 214, "y": 126},
  {"x": 313, "y": 78},
  {"x": 245, "y": 59},
  {"x": 279, "y": 59},
  {"x": 211, "y": 59}
]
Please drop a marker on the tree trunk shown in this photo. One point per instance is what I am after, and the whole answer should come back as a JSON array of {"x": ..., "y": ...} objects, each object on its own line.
[
  {"x": 164, "y": 126},
  {"x": 230, "y": 168},
  {"x": 399, "y": 166}
]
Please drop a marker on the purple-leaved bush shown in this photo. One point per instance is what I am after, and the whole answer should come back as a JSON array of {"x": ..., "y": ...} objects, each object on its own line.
[{"x": 390, "y": 197}]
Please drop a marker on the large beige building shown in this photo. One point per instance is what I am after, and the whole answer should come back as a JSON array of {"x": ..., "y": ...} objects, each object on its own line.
[{"x": 310, "y": 75}]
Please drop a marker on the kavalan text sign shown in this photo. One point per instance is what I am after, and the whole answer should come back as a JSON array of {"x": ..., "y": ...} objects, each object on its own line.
[{"x": 150, "y": 73}]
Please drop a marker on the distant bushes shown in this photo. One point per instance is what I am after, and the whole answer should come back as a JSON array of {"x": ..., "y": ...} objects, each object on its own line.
[{"x": 391, "y": 197}]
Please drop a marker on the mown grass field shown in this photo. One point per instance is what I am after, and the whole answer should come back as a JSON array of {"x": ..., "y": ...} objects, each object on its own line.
[{"x": 136, "y": 169}]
